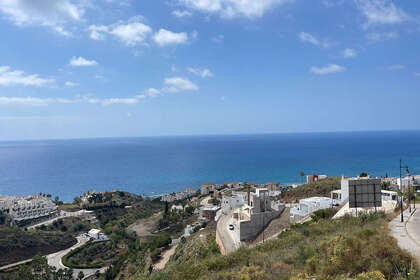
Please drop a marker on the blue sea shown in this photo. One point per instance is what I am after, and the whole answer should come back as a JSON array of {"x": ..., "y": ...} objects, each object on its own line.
[{"x": 157, "y": 165}]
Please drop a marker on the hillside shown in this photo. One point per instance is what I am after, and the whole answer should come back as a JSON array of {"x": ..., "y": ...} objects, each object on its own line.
[
  {"x": 319, "y": 188},
  {"x": 17, "y": 244},
  {"x": 347, "y": 248}
]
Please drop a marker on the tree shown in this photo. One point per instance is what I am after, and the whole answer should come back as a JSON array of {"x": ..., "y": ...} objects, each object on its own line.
[
  {"x": 77, "y": 200},
  {"x": 81, "y": 275},
  {"x": 166, "y": 207},
  {"x": 363, "y": 175},
  {"x": 302, "y": 174}
]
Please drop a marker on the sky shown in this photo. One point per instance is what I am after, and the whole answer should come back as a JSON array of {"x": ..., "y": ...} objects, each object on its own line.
[{"x": 109, "y": 68}]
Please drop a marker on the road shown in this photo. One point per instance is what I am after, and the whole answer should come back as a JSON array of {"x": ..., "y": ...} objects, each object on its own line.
[
  {"x": 407, "y": 233},
  {"x": 55, "y": 259},
  {"x": 228, "y": 237},
  {"x": 63, "y": 214}
]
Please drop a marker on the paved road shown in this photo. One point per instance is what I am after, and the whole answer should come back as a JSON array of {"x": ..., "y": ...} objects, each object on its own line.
[
  {"x": 228, "y": 237},
  {"x": 63, "y": 214},
  {"x": 407, "y": 233},
  {"x": 55, "y": 259}
]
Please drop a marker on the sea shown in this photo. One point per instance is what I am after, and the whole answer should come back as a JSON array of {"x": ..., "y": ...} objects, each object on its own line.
[{"x": 157, "y": 165}]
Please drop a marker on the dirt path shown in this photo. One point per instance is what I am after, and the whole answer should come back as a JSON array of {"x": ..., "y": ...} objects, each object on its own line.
[
  {"x": 165, "y": 258},
  {"x": 145, "y": 227}
]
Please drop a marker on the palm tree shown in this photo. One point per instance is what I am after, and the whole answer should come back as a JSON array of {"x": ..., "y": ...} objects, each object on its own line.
[{"x": 302, "y": 174}]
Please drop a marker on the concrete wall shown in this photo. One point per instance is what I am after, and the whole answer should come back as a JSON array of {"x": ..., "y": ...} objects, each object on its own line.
[
  {"x": 220, "y": 243},
  {"x": 250, "y": 229}
]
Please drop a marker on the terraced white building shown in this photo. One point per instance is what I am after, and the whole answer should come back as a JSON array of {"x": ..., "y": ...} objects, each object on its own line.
[{"x": 25, "y": 208}]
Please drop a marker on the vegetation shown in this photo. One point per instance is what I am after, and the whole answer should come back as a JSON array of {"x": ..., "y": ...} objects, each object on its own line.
[
  {"x": 38, "y": 269},
  {"x": 18, "y": 244},
  {"x": 91, "y": 255},
  {"x": 174, "y": 222},
  {"x": 70, "y": 225},
  {"x": 346, "y": 248},
  {"x": 318, "y": 188}
]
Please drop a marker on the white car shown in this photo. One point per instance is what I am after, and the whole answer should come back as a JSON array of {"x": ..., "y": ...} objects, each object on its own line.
[{"x": 231, "y": 227}]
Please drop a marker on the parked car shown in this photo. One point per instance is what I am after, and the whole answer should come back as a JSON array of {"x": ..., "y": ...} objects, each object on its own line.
[{"x": 231, "y": 227}]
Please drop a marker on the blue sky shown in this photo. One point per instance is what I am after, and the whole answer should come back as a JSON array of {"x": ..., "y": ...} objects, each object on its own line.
[{"x": 109, "y": 68}]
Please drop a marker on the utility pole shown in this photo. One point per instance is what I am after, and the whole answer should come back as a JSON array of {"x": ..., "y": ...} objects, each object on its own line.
[{"x": 401, "y": 189}]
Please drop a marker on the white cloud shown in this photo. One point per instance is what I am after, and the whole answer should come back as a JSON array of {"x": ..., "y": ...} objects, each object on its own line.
[
  {"x": 233, "y": 8},
  {"x": 36, "y": 101},
  {"x": 71, "y": 84},
  {"x": 80, "y": 61},
  {"x": 203, "y": 73},
  {"x": 379, "y": 12},
  {"x": 349, "y": 53},
  {"x": 31, "y": 101},
  {"x": 178, "y": 84},
  {"x": 152, "y": 92},
  {"x": 17, "y": 77},
  {"x": 131, "y": 33},
  {"x": 381, "y": 36},
  {"x": 329, "y": 69},
  {"x": 181, "y": 14},
  {"x": 396, "y": 67},
  {"x": 165, "y": 37},
  {"x": 123, "y": 101},
  {"x": 54, "y": 14},
  {"x": 306, "y": 37}
]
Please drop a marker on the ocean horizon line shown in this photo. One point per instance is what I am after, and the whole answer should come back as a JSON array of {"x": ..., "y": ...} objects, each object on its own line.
[{"x": 209, "y": 135}]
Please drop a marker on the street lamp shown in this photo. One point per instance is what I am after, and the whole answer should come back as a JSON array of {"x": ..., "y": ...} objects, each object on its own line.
[{"x": 401, "y": 189}]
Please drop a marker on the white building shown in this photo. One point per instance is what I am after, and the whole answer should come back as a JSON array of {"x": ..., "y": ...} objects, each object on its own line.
[
  {"x": 207, "y": 188},
  {"x": 389, "y": 195},
  {"x": 229, "y": 203},
  {"x": 251, "y": 218},
  {"x": 314, "y": 178},
  {"x": 309, "y": 205},
  {"x": 26, "y": 208},
  {"x": 177, "y": 208}
]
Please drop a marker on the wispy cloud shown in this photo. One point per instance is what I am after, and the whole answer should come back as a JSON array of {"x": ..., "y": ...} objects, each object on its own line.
[
  {"x": 347, "y": 53},
  {"x": 81, "y": 62},
  {"x": 203, "y": 73},
  {"x": 37, "y": 101},
  {"x": 181, "y": 14},
  {"x": 9, "y": 77},
  {"x": 309, "y": 38},
  {"x": 233, "y": 8},
  {"x": 379, "y": 12},
  {"x": 329, "y": 69}
]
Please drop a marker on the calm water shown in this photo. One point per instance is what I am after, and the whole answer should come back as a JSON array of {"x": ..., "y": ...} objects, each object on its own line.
[{"x": 156, "y": 165}]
